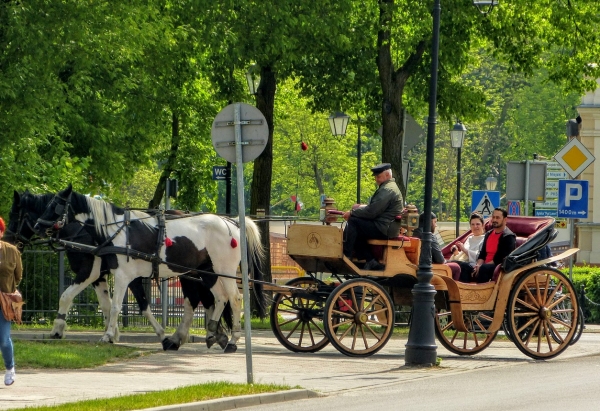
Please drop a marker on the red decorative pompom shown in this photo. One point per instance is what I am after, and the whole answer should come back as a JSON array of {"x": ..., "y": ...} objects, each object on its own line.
[
  {"x": 168, "y": 242},
  {"x": 233, "y": 243},
  {"x": 304, "y": 146}
]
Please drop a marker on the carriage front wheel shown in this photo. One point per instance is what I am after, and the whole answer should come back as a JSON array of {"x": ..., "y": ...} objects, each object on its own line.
[
  {"x": 359, "y": 317},
  {"x": 543, "y": 313},
  {"x": 296, "y": 318}
]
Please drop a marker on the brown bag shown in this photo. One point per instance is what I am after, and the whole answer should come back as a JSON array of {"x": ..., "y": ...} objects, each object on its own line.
[{"x": 12, "y": 306}]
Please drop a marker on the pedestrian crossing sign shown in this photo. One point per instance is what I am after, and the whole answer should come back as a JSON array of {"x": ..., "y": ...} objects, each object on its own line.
[{"x": 484, "y": 202}]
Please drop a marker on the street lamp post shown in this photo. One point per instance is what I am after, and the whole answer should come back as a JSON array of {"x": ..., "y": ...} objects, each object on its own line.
[
  {"x": 421, "y": 348},
  {"x": 490, "y": 183},
  {"x": 457, "y": 135},
  {"x": 338, "y": 122}
]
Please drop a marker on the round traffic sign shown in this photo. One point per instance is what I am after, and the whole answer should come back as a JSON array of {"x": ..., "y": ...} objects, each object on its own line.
[{"x": 254, "y": 132}]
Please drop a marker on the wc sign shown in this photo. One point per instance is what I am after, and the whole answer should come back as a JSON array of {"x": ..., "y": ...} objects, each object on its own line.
[
  {"x": 572, "y": 199},
  {"x": 219, "y": 173}
]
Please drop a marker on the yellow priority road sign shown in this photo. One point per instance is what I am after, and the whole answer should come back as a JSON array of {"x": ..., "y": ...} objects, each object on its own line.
[{"x": 574, "y": 157}]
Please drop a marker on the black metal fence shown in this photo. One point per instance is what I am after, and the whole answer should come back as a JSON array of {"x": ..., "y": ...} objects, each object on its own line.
[{"x": 46, "y": 274}]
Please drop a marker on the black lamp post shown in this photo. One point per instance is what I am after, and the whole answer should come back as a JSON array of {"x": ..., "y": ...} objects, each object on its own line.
[
  {"x": 490, "y": 183},
  {"x": 421, "y": 348},
  {"x": 338, "y": 122},
  {"x": 457, "y": 135}
]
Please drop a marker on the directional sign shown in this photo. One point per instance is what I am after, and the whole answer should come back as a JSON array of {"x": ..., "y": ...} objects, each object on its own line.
[
  {"x": 545, "y": 212},
  {"x": 219, "y": 173},
  {"x": 484, "y": 202},
  {"x": 574, "y": 157},
  {"x": 573, "y": 199}
]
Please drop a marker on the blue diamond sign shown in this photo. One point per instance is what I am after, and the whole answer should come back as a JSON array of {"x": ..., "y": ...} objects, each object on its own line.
[{"x": 573, "y": 198}]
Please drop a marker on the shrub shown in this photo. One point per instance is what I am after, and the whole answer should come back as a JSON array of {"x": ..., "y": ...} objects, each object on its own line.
[{"x": 587, "y": 277}]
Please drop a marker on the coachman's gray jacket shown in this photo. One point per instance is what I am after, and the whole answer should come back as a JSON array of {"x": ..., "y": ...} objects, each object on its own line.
[{"x": 383, "y": 208}]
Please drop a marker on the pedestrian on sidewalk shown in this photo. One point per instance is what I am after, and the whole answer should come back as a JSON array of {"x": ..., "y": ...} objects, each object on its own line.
[{"x": 11, "y": 272}]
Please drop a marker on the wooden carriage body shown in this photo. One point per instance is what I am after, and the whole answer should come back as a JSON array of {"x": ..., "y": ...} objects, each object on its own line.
[{"x": 470, "y": 311}]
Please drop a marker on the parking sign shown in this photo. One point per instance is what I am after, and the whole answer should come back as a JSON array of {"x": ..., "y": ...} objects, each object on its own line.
[{"x": 573, "y": 198}]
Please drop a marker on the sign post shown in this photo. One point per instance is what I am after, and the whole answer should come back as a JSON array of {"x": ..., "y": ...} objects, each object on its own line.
[{"x": 241, "y": 148}]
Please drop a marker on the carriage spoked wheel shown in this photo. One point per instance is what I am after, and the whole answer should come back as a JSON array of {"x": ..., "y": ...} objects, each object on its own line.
[
  {"x": 474, "y": 340},
  {"x": 359, "y": 317},
  {"x": 296, "y": 321},
  {"x": 543, "y": 313}
]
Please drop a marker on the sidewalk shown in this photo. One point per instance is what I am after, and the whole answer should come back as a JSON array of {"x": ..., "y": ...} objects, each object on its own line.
[{"x": 322, "y": 373}]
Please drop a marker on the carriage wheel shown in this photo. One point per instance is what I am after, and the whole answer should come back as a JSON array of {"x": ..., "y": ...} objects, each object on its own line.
[
  {"x": 543, "y": 313},
  {"x": 359, "y": 317},
  {"x": 475, "y": 340},
  {"x": 297, "y": 322}
]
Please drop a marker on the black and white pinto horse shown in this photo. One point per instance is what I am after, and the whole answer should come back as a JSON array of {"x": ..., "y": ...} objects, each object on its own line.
[
  {"x": 25, "y": 210},
  {"x": 188, "y": 245}
]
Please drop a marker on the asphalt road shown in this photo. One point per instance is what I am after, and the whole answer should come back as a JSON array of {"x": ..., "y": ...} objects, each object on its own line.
[{"x": 570, "y": 384}]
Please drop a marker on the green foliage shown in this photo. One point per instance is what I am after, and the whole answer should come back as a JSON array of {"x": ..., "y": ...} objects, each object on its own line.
[{"x": 588, "y": 277}]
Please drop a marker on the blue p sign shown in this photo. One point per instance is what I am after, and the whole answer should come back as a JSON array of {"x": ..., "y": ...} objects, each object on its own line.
[{"x": 572, "y": 198}]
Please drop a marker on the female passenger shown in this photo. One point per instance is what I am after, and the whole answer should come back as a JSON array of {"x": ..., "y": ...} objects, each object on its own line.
[{"x": 465, "y": 254}]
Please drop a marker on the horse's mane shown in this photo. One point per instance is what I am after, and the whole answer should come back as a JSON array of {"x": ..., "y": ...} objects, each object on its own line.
[
  {"x": 103, "y": 213},
  {"x": 35, "y": 202}
]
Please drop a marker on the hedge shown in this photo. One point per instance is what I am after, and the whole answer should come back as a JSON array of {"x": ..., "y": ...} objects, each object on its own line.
[{"x": 588, "y": 277}]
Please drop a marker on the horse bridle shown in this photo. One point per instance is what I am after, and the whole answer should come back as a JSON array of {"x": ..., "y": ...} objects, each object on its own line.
[
  {"x": 62, "y": 209},
  {"x": 22, "y": 218}
]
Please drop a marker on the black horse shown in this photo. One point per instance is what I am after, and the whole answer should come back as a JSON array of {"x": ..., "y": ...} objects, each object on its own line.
[{"x": 25, "y": 211}]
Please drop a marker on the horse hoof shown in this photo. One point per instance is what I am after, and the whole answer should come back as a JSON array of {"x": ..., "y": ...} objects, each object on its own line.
[
  {"x": 169, "y": 345},
  {"x": 56, "y": 336},
  {"x": 230, "y": 348},
  {"x": 222, "y": 341},
  {"x": 210, "y": 341}
]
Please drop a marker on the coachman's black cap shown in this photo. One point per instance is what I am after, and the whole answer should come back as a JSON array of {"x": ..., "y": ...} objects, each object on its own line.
[{"x": 380, "y": 168}]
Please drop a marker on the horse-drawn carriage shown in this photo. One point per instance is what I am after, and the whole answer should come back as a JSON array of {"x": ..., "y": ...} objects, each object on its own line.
[{"x": 354, "y": 309}]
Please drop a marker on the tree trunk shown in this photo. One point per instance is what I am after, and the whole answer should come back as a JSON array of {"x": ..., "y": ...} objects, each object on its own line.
[
  {"x": 260, "y": 190},
  {"x": 392, "y": 86},
  {"x": 169, "y": 165}
]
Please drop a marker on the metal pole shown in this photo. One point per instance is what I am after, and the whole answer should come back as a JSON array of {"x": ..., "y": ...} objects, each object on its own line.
[
  {"x": 421, "y": 348},
  {"x": 526, "y": 187},
  {"x": 239, "y": 171},
  {"x": 458, "y": 191},
  {"x": 164, "y": 285},
  {"x": 228, "y": 189},
  {"x": 571, "y": 244},
  {"x": 358, "y": 164}
]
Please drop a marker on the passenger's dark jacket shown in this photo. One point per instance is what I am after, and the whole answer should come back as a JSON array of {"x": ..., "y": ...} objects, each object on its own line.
[
  {"x": 383, "y": 208},
  {"x": 436, "y": 253},
  {"x": 506, "y": 245}
]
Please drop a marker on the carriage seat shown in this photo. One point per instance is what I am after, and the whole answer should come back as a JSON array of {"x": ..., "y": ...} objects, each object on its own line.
[{"x": 411, "y": 246}]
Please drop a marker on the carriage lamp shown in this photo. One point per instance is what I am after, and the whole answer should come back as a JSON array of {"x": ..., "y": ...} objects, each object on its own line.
[
  {"x": 457, "y": 135},
  {"x": 253, "y": 79},
  {"x": 485, "y": 6},
  {"x": 490, "y": 183},
  {"x": 338, "y": 122}
]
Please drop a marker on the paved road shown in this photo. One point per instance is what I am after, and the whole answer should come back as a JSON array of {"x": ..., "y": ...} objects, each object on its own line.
[{"x": 326, "y": 372}]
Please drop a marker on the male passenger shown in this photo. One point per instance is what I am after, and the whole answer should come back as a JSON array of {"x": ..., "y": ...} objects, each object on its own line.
[
  {"x": 375, "y": 220},
  {"x": 498, "y": 243}
]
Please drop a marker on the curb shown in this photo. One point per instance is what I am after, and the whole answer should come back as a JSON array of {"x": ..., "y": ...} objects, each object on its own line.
[{"x": 223, "y": 404}]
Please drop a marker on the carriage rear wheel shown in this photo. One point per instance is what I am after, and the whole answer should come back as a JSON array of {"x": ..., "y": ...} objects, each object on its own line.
[
  {"x": 470, "y": 342},
  {"x": 296, "y": 320},
  {"x": 359, "y": 317},
  {"x": 543, "y": 313}
]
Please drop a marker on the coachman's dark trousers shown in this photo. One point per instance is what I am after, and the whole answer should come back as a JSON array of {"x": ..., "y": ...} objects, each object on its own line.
[{"x": 356, "y": 234}]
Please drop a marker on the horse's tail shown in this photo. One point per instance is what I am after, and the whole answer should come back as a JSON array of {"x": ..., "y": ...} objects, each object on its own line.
[{"x": 256, "y": 254}]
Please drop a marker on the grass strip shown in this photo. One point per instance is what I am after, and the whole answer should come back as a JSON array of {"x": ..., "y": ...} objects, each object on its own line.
[
  {"x": 182, "y": 395},
  {"x": 63, "y": 354}
]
